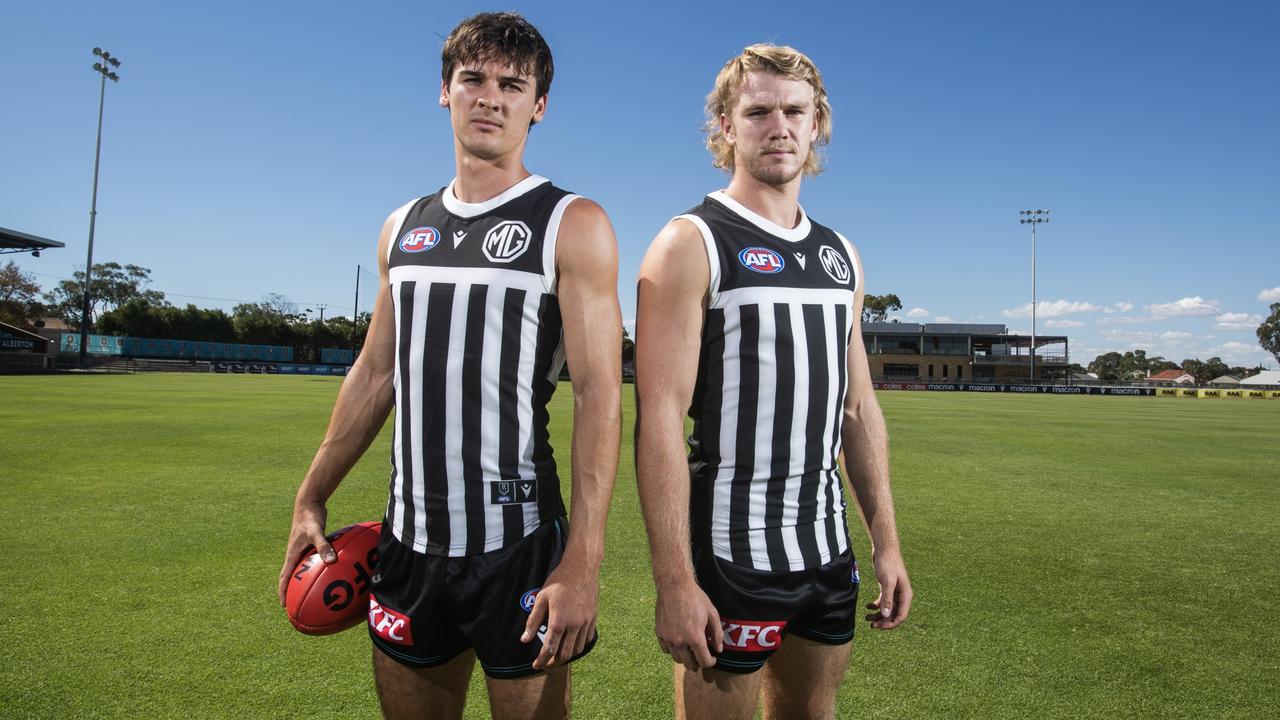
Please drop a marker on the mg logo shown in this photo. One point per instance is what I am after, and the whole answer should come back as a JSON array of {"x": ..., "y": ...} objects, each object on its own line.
[
  {"x": 834, "y": 264},
  {"x": 507, "y": 241}
]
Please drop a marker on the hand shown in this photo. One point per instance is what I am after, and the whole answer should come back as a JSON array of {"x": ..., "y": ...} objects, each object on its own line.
[
  {"x": 566, "y": 604},
  {"x": 894, "y": 603},
  {"x": 307, "y": 532},
  {"x": 688, "y": 625}
]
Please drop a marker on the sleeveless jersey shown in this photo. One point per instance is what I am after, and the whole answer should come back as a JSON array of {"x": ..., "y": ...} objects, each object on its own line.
[
  {"x": 478, "y": 351},
  {"x": 768, "y": 405}
]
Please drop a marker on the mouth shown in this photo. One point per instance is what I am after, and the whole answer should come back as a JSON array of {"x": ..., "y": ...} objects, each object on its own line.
[{"x": 486, "y": 123}]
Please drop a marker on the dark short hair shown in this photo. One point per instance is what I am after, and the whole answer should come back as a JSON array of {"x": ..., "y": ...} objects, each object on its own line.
[{"x": 502, "y": 36}]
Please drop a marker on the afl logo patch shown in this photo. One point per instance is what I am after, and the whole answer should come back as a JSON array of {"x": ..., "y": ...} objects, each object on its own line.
[
  {"x": 419, "y": 240},
  {"x": 834, "y": 264},
  {"x": 527, "y": 600},
  {"x": 507, "y": 241},
  {"x": 761, "y": 260}
]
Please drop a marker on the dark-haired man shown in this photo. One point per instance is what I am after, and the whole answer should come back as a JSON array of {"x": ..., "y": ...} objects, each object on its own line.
[
  {"x": 487, "y": 287},
  {"x": 747, "y": 320}
]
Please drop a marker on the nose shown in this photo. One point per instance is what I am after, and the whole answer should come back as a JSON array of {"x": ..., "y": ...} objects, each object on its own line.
[{"x": 777, "y": 126}]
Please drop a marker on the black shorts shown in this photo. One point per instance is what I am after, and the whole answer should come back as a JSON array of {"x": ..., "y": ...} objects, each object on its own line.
[
  {"x": 426, "y": 609},
  {"x": 758, "y": 608}
]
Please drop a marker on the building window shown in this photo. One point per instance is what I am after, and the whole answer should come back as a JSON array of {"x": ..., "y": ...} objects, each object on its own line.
[
  {"x": 882, "y": 345},
  {"x": 901, "y": 371},
  {"x": 930, "y": 370},
  {"x": 959, "y": 372},
  {"x": 945, "y": 368}
]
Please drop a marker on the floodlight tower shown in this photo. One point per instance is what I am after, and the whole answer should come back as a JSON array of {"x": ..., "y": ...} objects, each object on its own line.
[
  {"x": 1033, "y": 218},
  {"x": 104, "y": 69}
]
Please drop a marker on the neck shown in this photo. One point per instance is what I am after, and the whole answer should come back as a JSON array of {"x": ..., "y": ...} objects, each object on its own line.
[
  {"x": 779, "y": 204},
  {"x": 479, "y": 179}
]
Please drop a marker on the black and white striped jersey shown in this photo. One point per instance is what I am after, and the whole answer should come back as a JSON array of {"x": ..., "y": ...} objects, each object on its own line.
[
  {"x": 478, "y": 351},
  {"x": 772, "y": 376}
]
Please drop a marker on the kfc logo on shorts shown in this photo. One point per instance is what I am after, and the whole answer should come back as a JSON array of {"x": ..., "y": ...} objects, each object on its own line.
[
  {"x": 389, "y": 624},
  {"x": 761, "y": 260},
  {"x": 752, "y": 636},
  {"x": 528, "y": 599},
  {"x": 419, "y": 240}
]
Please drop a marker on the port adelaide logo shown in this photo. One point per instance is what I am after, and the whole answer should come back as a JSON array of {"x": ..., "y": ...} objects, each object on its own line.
[
  {"x": 419, "y": 240},
  {"x": 507, "y": 241},
  {"x": 834, "y": 264},
  {"x": 761, "y": 260}
]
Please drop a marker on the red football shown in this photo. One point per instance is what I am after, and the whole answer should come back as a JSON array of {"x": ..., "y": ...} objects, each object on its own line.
[{"x": 323, "y": 599}]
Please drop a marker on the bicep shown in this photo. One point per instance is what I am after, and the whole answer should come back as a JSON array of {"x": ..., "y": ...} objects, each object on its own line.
[
  {"x": 587, "y": 288},
  {"x": 670, "y": 302}
]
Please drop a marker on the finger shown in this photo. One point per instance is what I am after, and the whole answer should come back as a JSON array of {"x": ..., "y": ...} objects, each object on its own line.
[
  {"x": 681, "y": 655},
  {"x": 323, "y": 547},
  {"x": 569, "y": 645},
  {"x": 292, "y": 554},
  {"x": 549, "y": 647},
  {"x": 701, "y": 653},
  {"x": 716, "y": 636},
  {"x": 536, "y": 616}
]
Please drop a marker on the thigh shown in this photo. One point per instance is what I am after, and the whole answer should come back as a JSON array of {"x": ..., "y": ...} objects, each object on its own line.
[
  {"x": 711, "y": 694},
  {"x": 544, "y": 696},
  {"x": 802, "y": 677},
  {"x": 422, "y": 693}
]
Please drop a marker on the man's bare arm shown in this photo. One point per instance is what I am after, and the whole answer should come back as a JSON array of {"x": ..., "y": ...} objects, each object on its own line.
[
  {"x": 587, "y": 271},
  {"x": 671, "y": 296},
  {"x": 364, "y": 401},
  {"x": 866, "y": 455}
]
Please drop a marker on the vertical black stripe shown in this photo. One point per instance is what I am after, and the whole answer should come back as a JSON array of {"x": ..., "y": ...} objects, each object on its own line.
[
  {"x": 472, "y": 437},
  {"x": 404, "y": 410},
  {"x": 840, "y": 350},
  {"x": 745, "y": 450},
  {"x": 435, "y": 376},
  {"x": 550, "y": 337},
  {"x": 811, "y": 483},
  {"x": 509, "y": 408},
  {"x": 707, "y": 409},
  {"x": 780, "y": 460}
]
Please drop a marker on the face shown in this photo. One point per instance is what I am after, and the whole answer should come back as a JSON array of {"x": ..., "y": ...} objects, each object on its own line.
[
  {"x": 491, "y": 107},
  {"x": 772, "y": 127}
]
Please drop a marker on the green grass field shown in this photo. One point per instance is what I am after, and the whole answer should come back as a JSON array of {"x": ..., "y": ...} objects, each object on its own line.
[{"x": 1072, "y": 557}]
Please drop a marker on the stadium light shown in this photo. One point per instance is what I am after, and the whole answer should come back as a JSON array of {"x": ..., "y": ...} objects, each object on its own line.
[
  {"x": 1033, "y": 218},
  {"x": 104, "y": 69}
]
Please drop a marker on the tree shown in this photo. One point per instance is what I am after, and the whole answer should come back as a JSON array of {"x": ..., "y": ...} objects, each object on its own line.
[
  {"x": 18, "y": 303},
  {"x": 1269, "y": 332},
  {"x": 876, "y": 308},
  {"x": 1107, "y": 367},
  {"x": 270, "y": 322},
  {"x": 112, "y": 286}
]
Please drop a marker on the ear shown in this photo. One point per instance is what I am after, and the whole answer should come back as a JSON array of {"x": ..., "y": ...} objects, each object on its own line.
[
  {"x": 726, "y": 128},
  {"x": 444, "y": 94},
  {"x": 539, "y": 110}
]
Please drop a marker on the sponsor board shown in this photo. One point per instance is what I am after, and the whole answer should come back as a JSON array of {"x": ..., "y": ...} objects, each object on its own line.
[
  {"x": 1187, "y": 392},
  {"x": 1233, "y": 393},
  {"x": 1206, "y": 393},
  {"x": 1273, "y": 394},
  {"x": 1033, "y": 389}
]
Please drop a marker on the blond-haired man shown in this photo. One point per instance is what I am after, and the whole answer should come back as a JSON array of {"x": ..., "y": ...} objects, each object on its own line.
[{"x": 748, "y": 320}]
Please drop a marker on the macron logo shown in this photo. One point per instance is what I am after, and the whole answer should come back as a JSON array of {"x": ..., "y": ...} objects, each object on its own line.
[{"x": 749, "y": 636}]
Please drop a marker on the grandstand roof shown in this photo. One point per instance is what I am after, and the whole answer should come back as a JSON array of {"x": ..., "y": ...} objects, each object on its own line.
[
  {"x": 12, "y": 241},
  {"x": 1266, "y": 377},
  {"x": 1225, "y": 380}
]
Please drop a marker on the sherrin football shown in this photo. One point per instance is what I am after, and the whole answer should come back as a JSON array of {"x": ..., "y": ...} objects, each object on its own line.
[{"x": 323, "y": 599}]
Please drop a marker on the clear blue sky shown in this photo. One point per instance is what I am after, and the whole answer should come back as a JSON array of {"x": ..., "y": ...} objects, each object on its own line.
[{"x": 253, "y": 148}]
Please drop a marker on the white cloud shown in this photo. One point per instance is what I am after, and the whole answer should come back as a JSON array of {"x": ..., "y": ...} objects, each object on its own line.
[
  {"x": 1063, "y": 323},
  {"x": 1186, "y": 307},
  {"x": 1176, "y": 335},
  {"x": 1238, "y": 353},
  {"x": 1118, "y": 307},
  {"x": 917, "y": 312},
  {"x": 1126, "y": 319},
  {"x": 1051, "y": 308},
  {"x": 943, "y": 319},
  {"x": 1269, "y": 296},
  {"x": 1238, "y": 321}
]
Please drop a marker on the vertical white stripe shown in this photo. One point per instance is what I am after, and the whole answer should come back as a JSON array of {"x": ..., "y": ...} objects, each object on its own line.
[
  {"x": 549, "y": 241},
  {"x": 721, "y": 492},
  {"x": 453, "y": 430},
  {"x": 402, "y": 417},
  {"x": 824, "y": 494},
  {"x": 799, "y": 418},
  {"x": 524, "y": 395},
  {"x": 421, "y": 292},
  {"x": 490, "y": 422},
  {"x": 766, "y": 403}
]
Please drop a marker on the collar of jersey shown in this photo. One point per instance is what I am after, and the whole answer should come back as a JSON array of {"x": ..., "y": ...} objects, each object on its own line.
[
  {"x": 467, "y": 210},
  {"x": 795, "y": 234}
]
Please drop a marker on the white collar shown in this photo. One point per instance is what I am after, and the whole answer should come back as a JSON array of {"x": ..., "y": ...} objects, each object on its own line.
[
  {"x": 795, "y": 234},
  {"x": 467, "y": 210}
]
